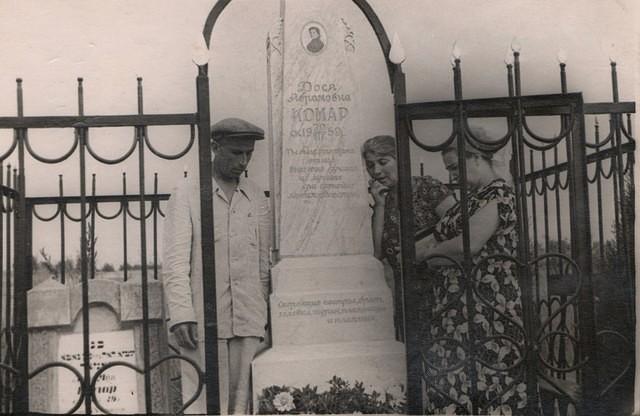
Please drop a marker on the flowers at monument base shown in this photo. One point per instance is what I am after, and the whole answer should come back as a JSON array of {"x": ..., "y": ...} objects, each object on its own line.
[
  {"x": 340, "y": 398},
  {"x": 283, "y": 402},
  {"x": 395, "y": 394}
]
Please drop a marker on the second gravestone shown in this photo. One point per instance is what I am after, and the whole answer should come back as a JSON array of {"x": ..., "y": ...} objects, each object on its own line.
[
  {"x": 331, "y": 310},
  {"x": 116, "y": 335}
]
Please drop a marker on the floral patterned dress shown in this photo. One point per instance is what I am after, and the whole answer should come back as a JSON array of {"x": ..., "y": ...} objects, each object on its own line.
[
  {"x": 428, "y": 193},
  {"x": 493, "y": 319}
]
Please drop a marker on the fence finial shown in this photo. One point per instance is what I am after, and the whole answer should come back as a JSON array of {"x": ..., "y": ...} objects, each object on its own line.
[
  {"x": 200, "y": 54},
  {"x": 562, "y": 56},
  {"x": 515, "y": 45},
  {"x": 140, "y": 100},
  {"x": 19, "y": 97},
  {"x": 397, "y": 54},
  {"x": 508, "y": 58},
  {"x": 455, "y": 53},
  {"x": 80, "y": 96}
]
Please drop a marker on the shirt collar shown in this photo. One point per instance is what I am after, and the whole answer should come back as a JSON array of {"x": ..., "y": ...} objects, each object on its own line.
[{"x": 242, "y": 187}]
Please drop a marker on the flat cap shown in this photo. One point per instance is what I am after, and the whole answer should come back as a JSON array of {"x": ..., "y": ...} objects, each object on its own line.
[{"x": 236, "y": 127}]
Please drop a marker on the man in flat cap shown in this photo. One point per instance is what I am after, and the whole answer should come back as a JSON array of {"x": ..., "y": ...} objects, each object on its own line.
[{"x": 242, "y": 238}]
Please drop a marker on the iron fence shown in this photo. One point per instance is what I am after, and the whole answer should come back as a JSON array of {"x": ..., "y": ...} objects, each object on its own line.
[
  {"x": 8, "y": 356},
  {"x": 560, "y": 318},
  {"x": 20, "y": 212},
  {"x": 556, "y": 339}
]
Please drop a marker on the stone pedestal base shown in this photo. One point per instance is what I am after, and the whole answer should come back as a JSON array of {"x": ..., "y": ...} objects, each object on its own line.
[
  {"x": 331, "y": 316},
  {"x": 327, "y": 299}
]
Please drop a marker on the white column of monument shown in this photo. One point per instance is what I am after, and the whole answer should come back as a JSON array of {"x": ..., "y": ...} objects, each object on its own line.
[
  {"x": 325, "y": 243},
  {"x": 331, "y": 310}
]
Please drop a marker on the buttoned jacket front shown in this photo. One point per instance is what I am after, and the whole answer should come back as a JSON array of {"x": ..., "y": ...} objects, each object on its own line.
[{"x": 242, "y": 237}]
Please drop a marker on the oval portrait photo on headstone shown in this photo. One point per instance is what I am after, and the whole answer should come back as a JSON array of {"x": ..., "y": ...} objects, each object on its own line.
[{"x": 313, "y": 38}]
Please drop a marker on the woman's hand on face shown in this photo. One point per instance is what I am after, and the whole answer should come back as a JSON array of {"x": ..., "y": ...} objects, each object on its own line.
[{"x": 378, "y": 191}]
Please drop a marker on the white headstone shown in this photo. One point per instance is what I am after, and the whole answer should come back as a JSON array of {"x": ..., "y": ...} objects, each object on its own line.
[
  {"x": 326, "y": 210},
  {"x": 116, "y": 388},
  {"x": 331, "y": 310}
]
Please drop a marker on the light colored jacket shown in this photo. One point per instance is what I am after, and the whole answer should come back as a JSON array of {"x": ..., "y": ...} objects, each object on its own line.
[{"x": 242, "y": 239}]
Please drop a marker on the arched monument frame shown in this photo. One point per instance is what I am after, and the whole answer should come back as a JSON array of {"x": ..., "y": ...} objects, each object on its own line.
[{"x": 398, "y": 89}]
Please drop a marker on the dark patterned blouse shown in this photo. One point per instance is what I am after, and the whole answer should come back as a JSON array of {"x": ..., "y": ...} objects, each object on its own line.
[
  {"x": 428, "y": 193},
  {"x": 496, "y": 321}
]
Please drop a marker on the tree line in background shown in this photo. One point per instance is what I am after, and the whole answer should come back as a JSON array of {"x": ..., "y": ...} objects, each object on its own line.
[
  {"x": 605, "y": 257},
  {"x": 73, "y": 266},
  {"x": 608, "y": 256}
]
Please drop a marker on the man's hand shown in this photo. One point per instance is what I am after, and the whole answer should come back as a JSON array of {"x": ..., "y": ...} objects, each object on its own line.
[{"x": 186, "y": 334}]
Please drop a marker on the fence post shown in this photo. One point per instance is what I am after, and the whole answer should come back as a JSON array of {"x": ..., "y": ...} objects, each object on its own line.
[
  {"x": 581, "y": 250},
  {"x": 529, "y": 309},
  {"x": 208, "y": 248},
  {"x": 23, "y": 282},
  {"x": 408, "y": 278},
  {"x": 22, "y": 276}
]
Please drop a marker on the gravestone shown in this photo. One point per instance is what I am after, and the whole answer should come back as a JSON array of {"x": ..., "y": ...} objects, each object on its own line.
[
  {"x": 117, "y": 389},
  {"x": 115, "y": 317},
  {"x": 331, "y": 310}
]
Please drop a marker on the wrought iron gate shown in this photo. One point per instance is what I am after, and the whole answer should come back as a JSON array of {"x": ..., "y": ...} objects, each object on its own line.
[
  {"x": 19, "y": 213},
  {"x": 552, "y": 176}
]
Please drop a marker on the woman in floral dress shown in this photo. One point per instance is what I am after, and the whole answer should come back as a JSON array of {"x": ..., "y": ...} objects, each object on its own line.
[
  {"x": 429, "y": 202},
  {"x": 493, "y": 315}
]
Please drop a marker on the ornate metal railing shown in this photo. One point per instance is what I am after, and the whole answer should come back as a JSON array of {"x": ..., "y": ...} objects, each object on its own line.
[
  {"x": 557, "y": 358},
  {"x": 8, "y": 346},
  {"x": 91, "y": 209}
]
